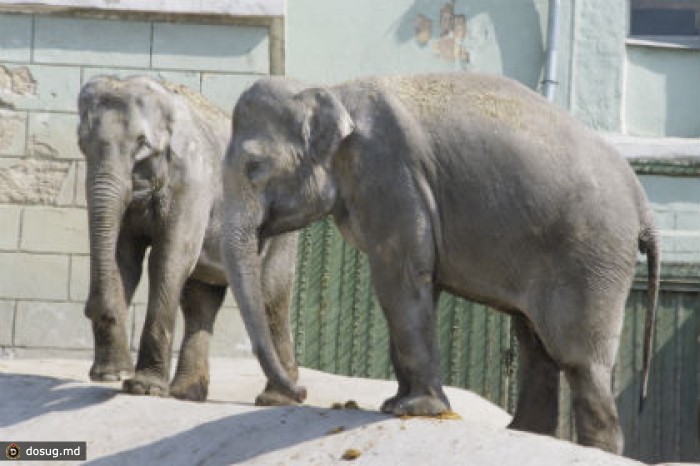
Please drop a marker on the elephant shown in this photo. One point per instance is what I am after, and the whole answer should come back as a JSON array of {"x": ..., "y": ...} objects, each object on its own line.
[
  {"x": 465, "y": 183},
  {"x": 153, "y": 152}
]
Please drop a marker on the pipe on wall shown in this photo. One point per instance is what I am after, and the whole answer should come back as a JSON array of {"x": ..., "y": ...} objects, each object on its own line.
[{"x": 549, "y": 82}]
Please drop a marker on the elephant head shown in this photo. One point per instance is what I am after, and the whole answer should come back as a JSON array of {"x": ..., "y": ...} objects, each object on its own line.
[
  {"x": 129, "y": 135},
  {"x": 277, "y": 178}
]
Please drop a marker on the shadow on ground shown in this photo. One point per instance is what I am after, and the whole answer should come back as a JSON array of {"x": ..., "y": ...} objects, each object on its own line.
[
  {"x": 42, "y": 394},
  {"x": 241, "y": 437}
]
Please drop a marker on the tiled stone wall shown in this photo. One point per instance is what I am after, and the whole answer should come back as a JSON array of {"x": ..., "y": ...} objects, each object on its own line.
[{"x": 44, "y": 60}]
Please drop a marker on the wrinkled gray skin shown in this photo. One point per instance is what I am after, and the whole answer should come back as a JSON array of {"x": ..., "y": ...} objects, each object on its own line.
[
  {"x": 153, "y": 180},
  {"x": 462, "y": 183}
]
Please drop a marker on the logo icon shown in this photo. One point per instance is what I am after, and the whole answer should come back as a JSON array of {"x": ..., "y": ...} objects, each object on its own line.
[{"x": 12, "y": 451}]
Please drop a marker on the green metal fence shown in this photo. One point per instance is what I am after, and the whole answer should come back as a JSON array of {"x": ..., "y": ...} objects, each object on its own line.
[{"x": 339, "y": 328}]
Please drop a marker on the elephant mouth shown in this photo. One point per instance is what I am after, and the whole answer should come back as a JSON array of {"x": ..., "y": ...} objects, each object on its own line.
[{"x": 145, "y": 189}]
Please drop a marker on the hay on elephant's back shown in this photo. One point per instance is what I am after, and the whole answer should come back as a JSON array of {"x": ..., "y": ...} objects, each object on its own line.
[{"x": 205, "y": 109}]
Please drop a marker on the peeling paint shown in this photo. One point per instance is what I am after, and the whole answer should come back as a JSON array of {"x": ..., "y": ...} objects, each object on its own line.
[
  {"x": 31, "y": 181},
  {"x": 18, "y": 81},
  {"x": 453, "y": 30},
  {"x": 424, "y": 29}
]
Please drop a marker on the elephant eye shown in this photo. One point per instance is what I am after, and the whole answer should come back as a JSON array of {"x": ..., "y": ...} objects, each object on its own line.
[{"x": 141, "y": 141}]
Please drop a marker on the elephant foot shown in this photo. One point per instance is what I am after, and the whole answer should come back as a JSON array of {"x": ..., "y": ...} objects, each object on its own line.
[
  {"x": 272, "y": 397},
  {"x": 538, "y": 425},
  {"x": 390, "y": 404},
  {"x": 112, "y": 361},
  {"x": 106, "y": 372},
  {"x": 142, "y": 384},
  {"x": 190, "y": 388},
  {"x": 422, "y": 405}
]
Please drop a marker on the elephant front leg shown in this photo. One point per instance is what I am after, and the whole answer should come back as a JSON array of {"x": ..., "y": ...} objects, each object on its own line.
[
  {"x": 278, "y": 278},
  {"x": 409, "y": 303},
  {"x": 200, "y": 303},
  {"x": 168, "y": 269},
  {"x": 404, "y": 386},
  {"x": 107, "y": 307}
]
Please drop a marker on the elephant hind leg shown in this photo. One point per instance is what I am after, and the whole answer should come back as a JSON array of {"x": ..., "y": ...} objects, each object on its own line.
[
  {"x": 581, "y": 332},
  {"x": 200, "y": 303},
  {"x": 538, "y": 381},
  {"x": 597, "y": 422}
]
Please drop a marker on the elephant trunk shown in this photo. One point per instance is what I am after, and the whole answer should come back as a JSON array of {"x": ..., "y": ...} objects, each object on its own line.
[
  {"x": 243, "y": 263},
  {"x": 107, "y": 196}
]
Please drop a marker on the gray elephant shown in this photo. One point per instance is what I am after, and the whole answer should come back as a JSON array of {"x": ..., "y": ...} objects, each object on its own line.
[
  {"x": 463, "y": 183},
  {"x": 154, "y": 153}
]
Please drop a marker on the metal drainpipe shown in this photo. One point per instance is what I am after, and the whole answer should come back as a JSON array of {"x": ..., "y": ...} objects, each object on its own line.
[{"x": 550, "y": 67}]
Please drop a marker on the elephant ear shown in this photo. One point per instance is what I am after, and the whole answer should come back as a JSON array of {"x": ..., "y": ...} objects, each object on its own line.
[
  {"x": 182, "y": 143},
  {"x": 326, "y": 124}
]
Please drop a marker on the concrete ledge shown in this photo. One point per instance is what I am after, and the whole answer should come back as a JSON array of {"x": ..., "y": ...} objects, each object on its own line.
[
  {"x": 659, "y": 156},
  {"x": 198, "y": 7}
]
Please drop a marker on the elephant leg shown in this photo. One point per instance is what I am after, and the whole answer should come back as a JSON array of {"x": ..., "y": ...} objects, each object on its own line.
[
  {"x": 581, "y": 332},
  {"x": 596, "y": 418},
  {"x": 404, "y": 386},
  {"x": 408, "y": 299},
  {"x": 278, "y": 278},
  {"x": 200, "y": 303},
  {"x": 170, "y": 263},
  {"x": 112, "y": 358},
  {"x": 538, "y": 383}
]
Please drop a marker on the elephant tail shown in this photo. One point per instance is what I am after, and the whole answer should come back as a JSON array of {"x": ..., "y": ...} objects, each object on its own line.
[{"x": 649, "y": 245}]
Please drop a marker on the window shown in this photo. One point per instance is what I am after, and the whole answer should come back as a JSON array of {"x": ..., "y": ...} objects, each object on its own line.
[{"x": 664, "y": 18}]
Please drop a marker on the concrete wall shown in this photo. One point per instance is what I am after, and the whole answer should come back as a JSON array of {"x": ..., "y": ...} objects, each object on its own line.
[
  {"x": 335, "y": 40},
  {"x": 44, "y": 60}
]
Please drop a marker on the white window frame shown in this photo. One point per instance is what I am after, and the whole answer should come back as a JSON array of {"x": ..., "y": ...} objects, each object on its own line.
[{"x": 664, "y": 41}]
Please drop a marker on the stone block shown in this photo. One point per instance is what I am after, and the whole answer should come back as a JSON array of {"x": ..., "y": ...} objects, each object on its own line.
[
  {"x": 664, "y": 217},
  {"x": 53, "y": 136},
  {"x": 7, "y": 322},
  {"x": 52, "y": 325},
  {"x": 242, "y": 49},
  {"x": 13, "y": 131},
  {"x": 686, "y": 242},
  {"x": 224, "y": 89},
  {"x": 15, "y": 38},
  {"x": 688, "y": 219},
  {"x": 92, "y": 42},
  {"x": 81, "y": 170},
  {"x": 9, "y": 231},
  {"x": 40, "y": 87},
  {"x": 79, "y": 277},
  {"x": 55, "y": 229},
  {"x": 33, "y": 276},
  {"x": 190, "y": 79},
  {"x": 32, "y": 181},
  {"x": 66, "y": 196}
]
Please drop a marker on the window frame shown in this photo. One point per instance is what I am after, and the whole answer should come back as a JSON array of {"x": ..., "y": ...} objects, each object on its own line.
[{"x": 687, "y": 42}]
